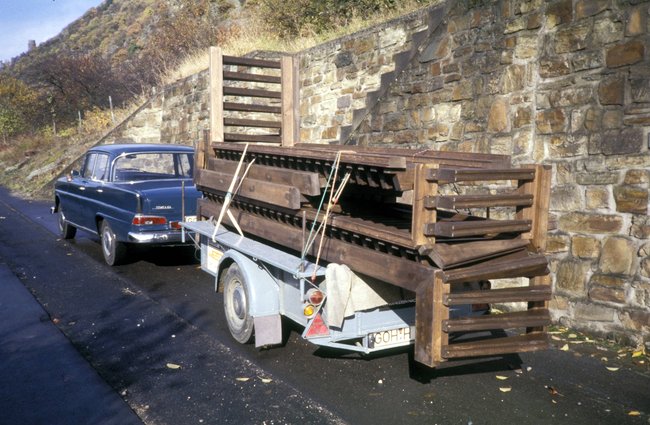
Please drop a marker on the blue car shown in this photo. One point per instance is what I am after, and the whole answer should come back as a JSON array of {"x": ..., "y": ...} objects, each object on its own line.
[{"x": 128, "y": 194}]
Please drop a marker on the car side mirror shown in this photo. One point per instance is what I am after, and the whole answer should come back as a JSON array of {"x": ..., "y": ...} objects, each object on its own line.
[{"x": 73, "y": 173}]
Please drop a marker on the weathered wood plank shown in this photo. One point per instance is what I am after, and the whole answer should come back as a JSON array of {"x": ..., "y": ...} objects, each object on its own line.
[
  {"x": 216, "y": 95},
  {"x": 308, "y": 183},
  {"x": 453, "y": 202},
  {"x": 517, "y": 264},
  {"x": 422, "y": 216},
  {"x": 256, "y": 63},
  {"x": 248, "y": 77},
  {"x": 453, "y": 255},
  {"x": 459, "y": 229},
  {"x": 283, "y": 196},
  {"x": 254, "y": 138},
  {"x": 511, "y": 320},
  {"x": 492, "y": 347},
  {"x": 244, "y": 92},
  {"x": 501, "y": 295},
  {"x": 251, "y": 107},
  {"x": 290, "y": 101},
  {"x": 454, "y": 175},
  {"x": 298, "y": 154},
  {"x": 240, "y": 122},
  {"x": 429, "y": 316}
]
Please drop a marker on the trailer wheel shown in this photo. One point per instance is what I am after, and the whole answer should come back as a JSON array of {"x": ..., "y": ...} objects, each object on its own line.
[
  {"x": 113, "y": 250},
  {"x": 67, "y": 230},
  {"x": 235, "y": 305}
]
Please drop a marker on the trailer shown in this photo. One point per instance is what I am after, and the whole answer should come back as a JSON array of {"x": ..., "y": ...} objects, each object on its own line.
[
  {"x": 261, "y": 284},
  {"x": 367, "y": 247}
]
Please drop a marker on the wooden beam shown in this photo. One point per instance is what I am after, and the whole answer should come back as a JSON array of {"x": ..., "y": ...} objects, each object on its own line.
[
  {"x": 244, "y": 92},
  {"x": 422, "y": 216},
  {"x": 518, "y": 264},
  {"x": 308, "y": 183},
  {"x": 459, "y": 229},
  {"x": 430, "y": 313},
  {"x": 453, "y": 175},
  {"x": 270, "y": 193},
  {"x": 239, "y": 122},
  {"x": 252, "y": 62},
  {"x": 290, "y": 101},
  {"x": 251, "y": 107},
  {"x": 454, "y": 255},
  {"x": 253, "y": 138},
  {"x": 247, "y": 77},
  {"x": 454, "y": 202},
  {"x": 216, "y": 94}
]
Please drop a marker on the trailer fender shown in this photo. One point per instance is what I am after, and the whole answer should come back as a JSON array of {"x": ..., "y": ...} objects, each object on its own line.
[{"x": 263, "y": 290}]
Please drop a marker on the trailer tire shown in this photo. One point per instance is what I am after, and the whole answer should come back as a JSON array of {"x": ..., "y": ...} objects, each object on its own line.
[{"x": 236, "y": 298}]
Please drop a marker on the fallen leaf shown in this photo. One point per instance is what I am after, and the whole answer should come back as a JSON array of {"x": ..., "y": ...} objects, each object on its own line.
[
  {"x": 529, "y": 368},
  {"x": 505, "y": 389},
  {"x": 573, "y": 336},
  {"x": 556, "y": 338},
  {"x": 604, "y": 359},
  {"x": 565, "y": 347},
  {"x": 552, "y": 390},
  {"x": 613, "y": 369},
  {"x": 634, "y": 413},
  {"x": 501, "y": 378},
  {"x": 173, "y": 366},
  {"x": 266, "y": 380},
  {"x": 637, "y": 353},
  {"x": 242, "y": 379}
]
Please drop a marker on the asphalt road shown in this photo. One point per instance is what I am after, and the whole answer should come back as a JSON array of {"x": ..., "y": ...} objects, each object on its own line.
[{"x": 155, "y": 332}]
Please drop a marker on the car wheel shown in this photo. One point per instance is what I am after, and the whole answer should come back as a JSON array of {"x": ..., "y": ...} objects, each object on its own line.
[
  {"x": 113, "y": 250},
  {"x": 236, "y": 305},
  {"x": 67, "y": 230}
]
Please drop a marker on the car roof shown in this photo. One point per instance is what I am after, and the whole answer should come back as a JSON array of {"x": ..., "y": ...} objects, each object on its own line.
[{"x": 118, "y": 149}]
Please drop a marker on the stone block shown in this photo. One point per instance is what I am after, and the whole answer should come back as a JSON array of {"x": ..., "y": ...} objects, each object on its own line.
[
  {"x": 608, "y": 281},
  {"x": 498, "y": 116},
  {"x": 553, "y": 67},
  {"x": 586, "y": 8},
  {"x": 640, "y": 90},
  {"x": 640, "y": 227},
  {"x": 644, "y": 251},
  {"x": 636, "y": 22},
  {"x": 560, "y": 12},
  {"x": 566, "y": 198},
  {"x": 610, "y": 295},
  {"x": 523, "y": 116},
  {"x": 585, "y": 247},
  {"x": 572, "y": 96},
  {"x": 636, "y": 319},
  {"x": 637, "y": 177},
  {"x": 627, "y": 141},
  {"x": 645, "y": 267},
  {"x": 597, "y": 198},
  {"x": 585, "y": 60},
  {"x": 572, "y": 38},
  {"x": 515, "y": 78},
  {"x": 640, "y": 294},
  {"x": 631, "y": 199},
  {"x": 593, "y": 313},
  {"x": 580, "y": 222},
  {"x": 612, "y": 119},
  {"x": 607, "y": 30},
  {"x": 550, "y": 121},
  {"x": 611, "y": 91},
  {"x": 526, "y": 47},
  {"x": 557, "y": 243},
  {"x": 597, "y": 178},
  {"x": 617, "y": 256},
  {"x": 566, "y": 146},
  {"x": 571, "y": 276},
  {"x": 625, "y": 54}
]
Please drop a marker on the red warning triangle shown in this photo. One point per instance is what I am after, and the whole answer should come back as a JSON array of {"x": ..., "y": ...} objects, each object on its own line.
[{"x": 317, "y": 327}]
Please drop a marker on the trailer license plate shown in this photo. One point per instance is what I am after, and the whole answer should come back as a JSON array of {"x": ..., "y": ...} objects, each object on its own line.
[
  {"x": 190, "y": 219},
  {"x": 393, "y": 337}
]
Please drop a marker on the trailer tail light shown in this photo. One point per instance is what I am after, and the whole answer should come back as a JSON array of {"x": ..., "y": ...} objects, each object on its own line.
[
  {"x": 317, "y": 328},
  {"x": 315, "y": 296},
  {"x": 148, "y": 220}
]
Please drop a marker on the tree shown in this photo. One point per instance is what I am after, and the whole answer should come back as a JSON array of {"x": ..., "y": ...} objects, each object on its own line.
[{"x": 18, "y": 105}]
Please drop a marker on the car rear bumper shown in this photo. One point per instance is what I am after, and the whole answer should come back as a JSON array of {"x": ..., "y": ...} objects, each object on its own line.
[{"x": 162, "y": 237}]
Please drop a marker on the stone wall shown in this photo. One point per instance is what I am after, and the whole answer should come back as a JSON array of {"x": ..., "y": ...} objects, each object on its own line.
[
  {"x": 566, "y": 83},
  {"x": 561, "y": 82}
]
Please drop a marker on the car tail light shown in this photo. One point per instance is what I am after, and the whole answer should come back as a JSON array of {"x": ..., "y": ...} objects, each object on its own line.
[
  {"x": 148, "y": 220},
  {"x": 175, "y": 225}
]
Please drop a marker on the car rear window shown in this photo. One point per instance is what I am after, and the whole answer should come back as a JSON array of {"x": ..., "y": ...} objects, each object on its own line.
[{"x": 152, "y": 166}]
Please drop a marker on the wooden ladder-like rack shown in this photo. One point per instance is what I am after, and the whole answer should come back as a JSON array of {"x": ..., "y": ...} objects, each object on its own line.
[{"x": 439, "y": 337}]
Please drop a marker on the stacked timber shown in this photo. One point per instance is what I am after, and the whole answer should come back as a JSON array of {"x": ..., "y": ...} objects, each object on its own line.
[{"x": 423, "y": 220}]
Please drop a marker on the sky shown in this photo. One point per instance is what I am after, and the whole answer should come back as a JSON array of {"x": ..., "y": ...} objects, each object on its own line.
[{"x": 39, "y": 20}]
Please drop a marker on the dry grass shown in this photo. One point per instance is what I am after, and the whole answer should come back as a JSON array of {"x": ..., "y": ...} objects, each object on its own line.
[{"x": 252, "y": 36}]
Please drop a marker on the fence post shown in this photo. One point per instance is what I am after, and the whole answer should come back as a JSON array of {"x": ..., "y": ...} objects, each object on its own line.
[{"x": 216, "y": 94}]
